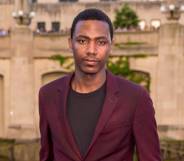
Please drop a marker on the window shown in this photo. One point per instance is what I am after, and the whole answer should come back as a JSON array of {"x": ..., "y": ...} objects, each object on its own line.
[
  {"x": 55, "y": 26},
  {"x": 155, "y": 24},
  {"x": 107, "y": 0},
  {"x": 33, "y": 1},
  {"x": 68, "y": 0},
  {"x": 41, "y": 27},
  {"x": 142, "y": 25}
]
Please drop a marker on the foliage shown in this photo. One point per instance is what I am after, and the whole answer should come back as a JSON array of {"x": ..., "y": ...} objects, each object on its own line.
[
  {"x": 126, "y": 18},
  {"x": 60, "y": 58},
  {"x": 121, "y": 67},
  {"x": 5, "y": 149},
  {"x": 65, "y": 62}
]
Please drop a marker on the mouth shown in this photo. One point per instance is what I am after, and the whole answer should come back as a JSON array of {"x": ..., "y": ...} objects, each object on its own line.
[{"x": 91, "y": 61}]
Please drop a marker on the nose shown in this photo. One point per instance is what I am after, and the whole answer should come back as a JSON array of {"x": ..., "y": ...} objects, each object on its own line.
[{"x": 92, "y": 48}]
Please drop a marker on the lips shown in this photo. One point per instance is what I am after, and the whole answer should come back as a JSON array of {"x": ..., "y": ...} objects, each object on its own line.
[{"x": 91, "y": 61}]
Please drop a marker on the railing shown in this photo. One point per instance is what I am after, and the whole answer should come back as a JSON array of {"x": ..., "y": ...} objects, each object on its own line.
[
  {"x": 14, "y": 150},
  {"x": 7, "y": 150},
  {"x": 172, "y": 150},
  {"x": 11, "y": 150}
]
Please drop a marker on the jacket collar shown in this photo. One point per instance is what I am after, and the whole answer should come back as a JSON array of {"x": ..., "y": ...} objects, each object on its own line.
[{"x": 111, "y": 84}]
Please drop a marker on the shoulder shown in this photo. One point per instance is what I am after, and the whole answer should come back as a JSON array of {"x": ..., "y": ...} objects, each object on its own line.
[
  {"x": 129, "y": 86},
  {"x": 53, "y": 86},
  {"x": 136, "y": 96},
  {"x": 130, "y": 90}
]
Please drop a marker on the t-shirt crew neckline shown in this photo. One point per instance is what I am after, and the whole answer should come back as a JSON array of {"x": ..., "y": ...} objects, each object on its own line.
[{"x": 77, "y": 94}]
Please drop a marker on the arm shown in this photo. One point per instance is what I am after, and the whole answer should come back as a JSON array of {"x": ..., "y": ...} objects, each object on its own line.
[
  {"x": 46, "y": 152},
  {"x": 145, "y": 130}
]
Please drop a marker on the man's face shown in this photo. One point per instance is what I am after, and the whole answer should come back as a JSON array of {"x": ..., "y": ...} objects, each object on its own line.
[{"x": 91, "y": 45}]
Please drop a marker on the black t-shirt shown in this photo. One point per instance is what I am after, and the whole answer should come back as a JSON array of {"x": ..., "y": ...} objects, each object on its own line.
[{"x": 83, "y": 111}]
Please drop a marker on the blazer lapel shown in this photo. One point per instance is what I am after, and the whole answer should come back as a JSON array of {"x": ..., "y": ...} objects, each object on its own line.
[
  {"x": 70, "y": 142},
  {"x": 108, "y": 107}
]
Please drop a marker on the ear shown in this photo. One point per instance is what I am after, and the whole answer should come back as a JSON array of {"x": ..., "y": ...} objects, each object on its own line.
[
  {"x": 112, "y": 43},
  {"x": 70, "y": 43}
]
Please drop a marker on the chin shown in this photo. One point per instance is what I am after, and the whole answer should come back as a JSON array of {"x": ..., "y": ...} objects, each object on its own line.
[{"x": 90, "y": 71}]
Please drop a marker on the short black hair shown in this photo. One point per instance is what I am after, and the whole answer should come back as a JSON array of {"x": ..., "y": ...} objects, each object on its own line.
[{"x": 92, "y": 14}]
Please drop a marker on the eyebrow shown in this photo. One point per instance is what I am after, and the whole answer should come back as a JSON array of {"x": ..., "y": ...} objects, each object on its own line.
[{"x": 87, "y": 37}]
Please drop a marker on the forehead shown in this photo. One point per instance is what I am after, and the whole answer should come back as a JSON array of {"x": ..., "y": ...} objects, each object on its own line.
[{"x": 92, "y": 28}]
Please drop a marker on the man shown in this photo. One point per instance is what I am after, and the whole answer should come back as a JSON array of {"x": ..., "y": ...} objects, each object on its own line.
[{"x": 92, "y": 115}]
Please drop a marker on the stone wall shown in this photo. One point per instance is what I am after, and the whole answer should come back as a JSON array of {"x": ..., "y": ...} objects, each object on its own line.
[
  {"x": 25, "y": 66},
  {"x": 6, "y": 19}
]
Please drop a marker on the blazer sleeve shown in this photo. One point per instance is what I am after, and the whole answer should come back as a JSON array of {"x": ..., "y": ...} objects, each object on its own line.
[
  {"x": 145, "y": 129},
  {"x": 46, "y": 149}
]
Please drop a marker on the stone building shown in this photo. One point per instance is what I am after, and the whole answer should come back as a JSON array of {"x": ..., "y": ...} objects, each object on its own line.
[
  {"x": 56, "y": 14},
  {"x": 25, "y": 66}
]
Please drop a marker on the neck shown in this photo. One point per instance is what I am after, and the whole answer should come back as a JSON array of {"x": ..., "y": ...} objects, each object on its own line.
[{"x": 85, "y": 83}]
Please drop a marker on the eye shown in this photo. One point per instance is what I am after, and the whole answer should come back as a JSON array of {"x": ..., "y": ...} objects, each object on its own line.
[
  {"x": 82, "y": 41},
  {"x": 101, "y": 42}
]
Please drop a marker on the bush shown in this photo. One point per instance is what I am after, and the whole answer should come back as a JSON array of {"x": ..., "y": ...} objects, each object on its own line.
[{"x": 126, "y": 18}]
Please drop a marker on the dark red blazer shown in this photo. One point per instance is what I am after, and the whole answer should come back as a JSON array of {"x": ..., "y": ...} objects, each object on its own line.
[{"x": 127, "y": 120}]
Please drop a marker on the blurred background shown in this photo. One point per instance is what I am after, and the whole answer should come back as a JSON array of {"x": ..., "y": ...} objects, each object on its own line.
[{"x": 148, "y": 49}]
